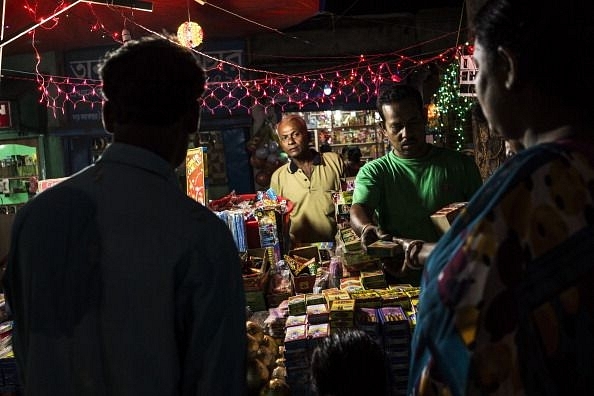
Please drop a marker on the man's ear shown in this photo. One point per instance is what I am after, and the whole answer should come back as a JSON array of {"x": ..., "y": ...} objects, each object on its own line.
[
  {"x": 108, "y": 116},
  {"x": 508, "y": 65}
]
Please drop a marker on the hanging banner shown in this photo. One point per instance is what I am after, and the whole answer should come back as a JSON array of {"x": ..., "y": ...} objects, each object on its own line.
[{"x": 196, "y": 174}]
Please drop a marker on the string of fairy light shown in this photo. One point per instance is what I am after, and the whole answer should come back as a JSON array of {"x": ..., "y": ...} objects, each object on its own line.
[
  {"x": 358, "y": 83},
  {"x": 356, "y": 80},
  {"x": 453, "y": 110}
]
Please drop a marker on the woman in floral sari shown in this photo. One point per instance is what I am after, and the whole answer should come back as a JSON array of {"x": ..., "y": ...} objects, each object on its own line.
[{"x": 507, "y": 296}]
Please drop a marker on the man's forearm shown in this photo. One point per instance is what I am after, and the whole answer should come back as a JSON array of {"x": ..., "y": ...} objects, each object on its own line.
[{"x": 359, "y": 218}]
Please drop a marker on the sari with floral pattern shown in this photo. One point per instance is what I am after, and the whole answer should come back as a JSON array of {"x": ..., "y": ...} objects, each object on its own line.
[{"x": 507, "y": 295}]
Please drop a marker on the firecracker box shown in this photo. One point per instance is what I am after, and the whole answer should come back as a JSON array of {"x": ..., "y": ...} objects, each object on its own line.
[
  {"x": 385, "y": 249},
  {"x": 342, "y": 207},
  {"x": 296, "y": 320},
  {"x": 256, "y": 268},
  {"x": 297, "y": 305},
  {"x": 348, "y": 240},
  {"x": 255, "y": 300},
  {"x": 303, "y": 283},
  {"x": 317, "y": 313},
  {"x": 445, "y": 216},
  {"x": 356, "y": 261},
  {"x": 317, "y": 332},
  {"x": 334, "y": 294},
  {"x": 308, "y": 252},
  {"x": 300, "y": 261},
  {"x": 296, "y": 337},
  {"x": 314, "y": 298}
]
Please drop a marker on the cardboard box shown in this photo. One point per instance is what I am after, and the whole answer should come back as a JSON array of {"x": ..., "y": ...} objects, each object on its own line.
[{"x": 445, "y": 216}]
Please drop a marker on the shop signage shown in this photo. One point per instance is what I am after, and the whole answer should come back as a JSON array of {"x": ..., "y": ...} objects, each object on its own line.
[
  {"x": 5, "y": 115},
  {"x": 196, "y": 172},
  {"x": 82, "y": 65},
  {"x": 468, "y": 72},
  {"x": 220, "y": 64},
  {"x": 47, "y": 183}
]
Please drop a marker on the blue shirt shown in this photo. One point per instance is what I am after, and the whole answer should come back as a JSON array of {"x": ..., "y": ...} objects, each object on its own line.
[{"x": 120, "y": 284}]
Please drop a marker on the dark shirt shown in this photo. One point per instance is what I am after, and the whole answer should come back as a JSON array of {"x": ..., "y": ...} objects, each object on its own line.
[{"x": 120, "y": 284}]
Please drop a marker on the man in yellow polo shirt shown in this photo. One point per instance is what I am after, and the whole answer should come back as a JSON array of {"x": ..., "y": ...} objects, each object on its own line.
[{"x": 308, "y": 181}]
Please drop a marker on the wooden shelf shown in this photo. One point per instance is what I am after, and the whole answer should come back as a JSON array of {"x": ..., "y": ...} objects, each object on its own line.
[
  {"x": 353, "y": 144},
  {"x": 334, "y": 126}
]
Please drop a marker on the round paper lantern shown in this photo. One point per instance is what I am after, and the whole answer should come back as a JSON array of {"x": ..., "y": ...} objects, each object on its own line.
[{"x": 190, "y": 34}]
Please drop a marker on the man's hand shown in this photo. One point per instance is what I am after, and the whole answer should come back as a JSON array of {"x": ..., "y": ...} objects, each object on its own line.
[{"x": 371, "y": 233}]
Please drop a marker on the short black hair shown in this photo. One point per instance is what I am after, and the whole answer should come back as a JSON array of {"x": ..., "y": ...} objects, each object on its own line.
[
  {"x": 349, "y": 362},
  {"x": 354, "y": 154},
  {"x": 151, "y": 81},
  {"x": 391, "y": 93}
]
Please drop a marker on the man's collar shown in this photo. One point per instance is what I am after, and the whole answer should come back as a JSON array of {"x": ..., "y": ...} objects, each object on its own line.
[{"x": 317, "y": 160}]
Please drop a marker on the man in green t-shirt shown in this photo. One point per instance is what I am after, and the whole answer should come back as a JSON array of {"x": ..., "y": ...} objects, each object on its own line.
[{"x": 396, "y": 194}]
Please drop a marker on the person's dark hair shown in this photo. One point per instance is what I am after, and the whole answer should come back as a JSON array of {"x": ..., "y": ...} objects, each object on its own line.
[
  {"x": 539, "y": 32},
  {"x": 391, "y": 93},
  {"x": 151, "y": 81},
  {"x": 348, "y": 362},
  {"x": 354, "y": 154}
]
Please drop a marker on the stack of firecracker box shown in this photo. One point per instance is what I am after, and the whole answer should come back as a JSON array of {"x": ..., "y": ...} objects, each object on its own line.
[{"x": 387, "y": 314}]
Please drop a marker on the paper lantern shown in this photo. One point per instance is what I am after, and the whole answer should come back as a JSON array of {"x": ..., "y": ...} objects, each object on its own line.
[{"x": 190, "y": 34}]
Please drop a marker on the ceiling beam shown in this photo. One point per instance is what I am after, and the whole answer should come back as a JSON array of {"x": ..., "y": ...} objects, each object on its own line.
[{"x": 132, "y": 4}]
